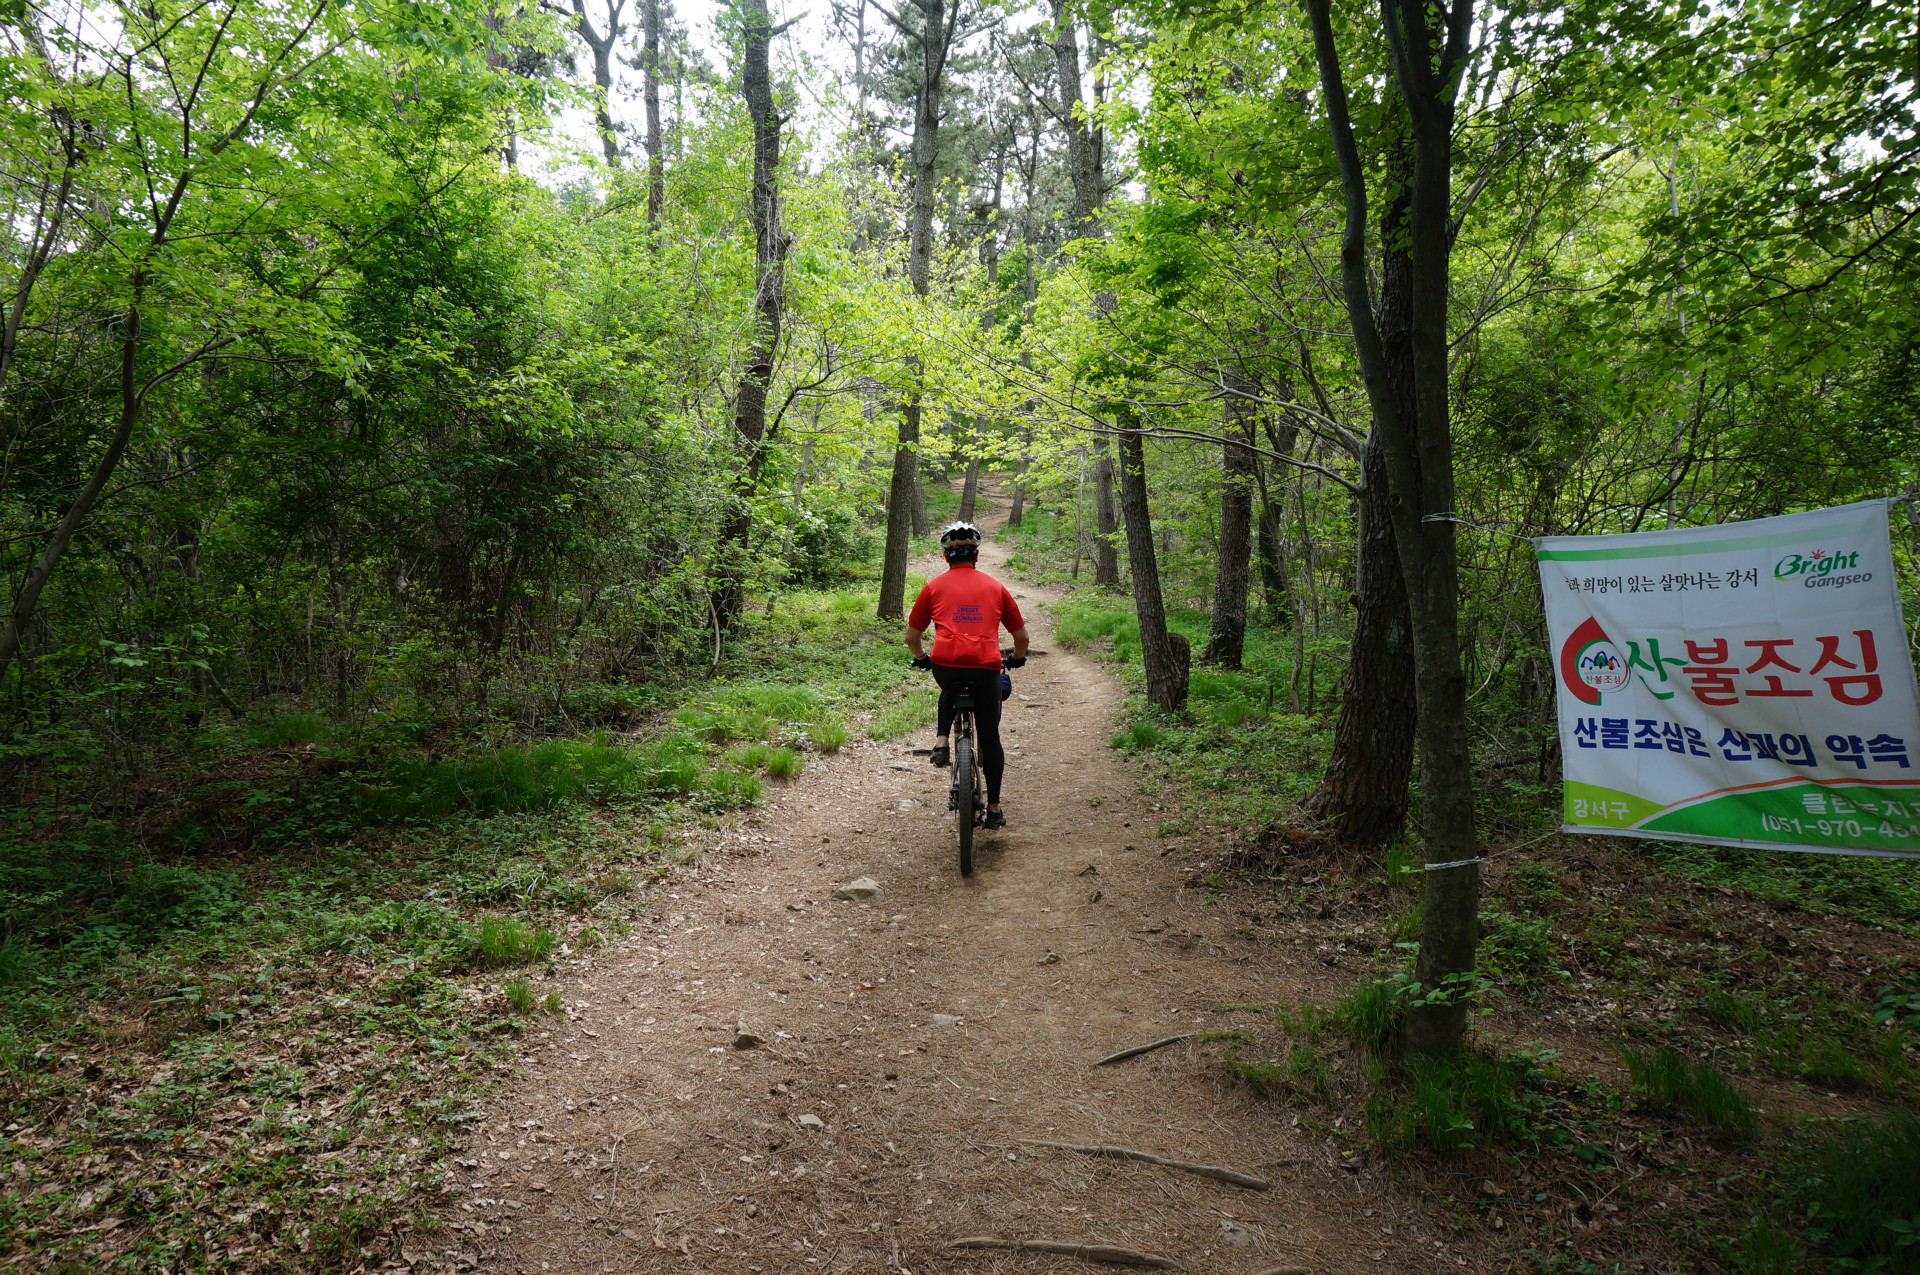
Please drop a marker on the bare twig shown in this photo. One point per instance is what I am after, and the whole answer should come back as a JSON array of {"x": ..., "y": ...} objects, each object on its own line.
[
  {"x": 1147, "y": 1048},
  {"x": 1085, "y": 1252},
  {"x": 1230, "y": 1176}
]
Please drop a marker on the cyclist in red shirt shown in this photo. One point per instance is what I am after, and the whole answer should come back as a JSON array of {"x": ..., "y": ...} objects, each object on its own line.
[{"x": 966, "y": 607}]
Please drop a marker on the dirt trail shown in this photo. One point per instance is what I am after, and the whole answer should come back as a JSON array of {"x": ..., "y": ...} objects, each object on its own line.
[{"x": 925, "y": 1031}]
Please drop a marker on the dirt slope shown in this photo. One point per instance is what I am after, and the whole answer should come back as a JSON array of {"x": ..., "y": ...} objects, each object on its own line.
[{"x": 926, "y": 1031}]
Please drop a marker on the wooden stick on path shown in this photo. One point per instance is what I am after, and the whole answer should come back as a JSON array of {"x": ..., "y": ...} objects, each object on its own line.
[
  {"x": 1231, "y": 1176},
  {"x": 1147, "y": 1048},
  {"x": 1085, "y": 1252}
]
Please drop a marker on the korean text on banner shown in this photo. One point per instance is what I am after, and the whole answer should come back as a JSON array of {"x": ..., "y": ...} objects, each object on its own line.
[{"x": 1746, "y": 684}]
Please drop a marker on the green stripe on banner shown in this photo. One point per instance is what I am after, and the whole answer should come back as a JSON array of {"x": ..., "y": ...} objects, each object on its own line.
[
  {"x": 1843, "y": 817},
  {"x": 1685, "y": 549}
]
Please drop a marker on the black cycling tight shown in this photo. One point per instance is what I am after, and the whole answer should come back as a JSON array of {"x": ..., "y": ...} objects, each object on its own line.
[{"x": 984, "y": 683}]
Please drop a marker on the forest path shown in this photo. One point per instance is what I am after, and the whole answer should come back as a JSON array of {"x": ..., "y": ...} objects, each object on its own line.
[{"x": 926, "y": 1031}]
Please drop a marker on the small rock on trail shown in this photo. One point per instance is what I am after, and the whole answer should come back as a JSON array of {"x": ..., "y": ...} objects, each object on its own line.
[{"x": 862, "y": 888}]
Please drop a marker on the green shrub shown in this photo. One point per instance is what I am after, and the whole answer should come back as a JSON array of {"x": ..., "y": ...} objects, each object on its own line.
[
  {"x": 291, "y": 730},
  {"x": 1371, "y": 1015},
  {"x": 1859, "y": 1190},
  {"x": 17, "y": 962},
  {"x": 1514, "y": 944},
  {"x": 1665, "y": 1079},
  {"x": 500, "y": 940},
  {"x": 407, "y": 923},
  {"x": 828, "y": 737},
  {"x": 1535, "y": 879},
  {"x": 519, "y": 996},
  {"x": 1899, "y": 1003},
  {"x": 784, "y": 763},
  {"x": 604, "y": 704}
]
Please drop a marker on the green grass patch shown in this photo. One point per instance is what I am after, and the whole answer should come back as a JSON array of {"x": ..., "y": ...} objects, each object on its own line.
[
  {"x": 1865, "y": 889},
  {"x": 828, "y": 737},
  {"x": 747, "y": 756},
  {"x": 536, "y": 776},
  {"x": 785, "y": 763},
  {"x": 499, "y": 940},
  {"x": 292, "y": 730},
  {"x": 1666, "y": 1080},
  {"x": 1139, "y": 736},
  {"x": 908, "y": 713},
  {"x": 1451, "y": 1103}
]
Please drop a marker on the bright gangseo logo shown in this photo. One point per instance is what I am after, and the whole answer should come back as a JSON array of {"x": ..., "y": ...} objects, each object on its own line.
[
  {"x": 1590, "y": 664},
  {"x": 1822, "y": 569}
]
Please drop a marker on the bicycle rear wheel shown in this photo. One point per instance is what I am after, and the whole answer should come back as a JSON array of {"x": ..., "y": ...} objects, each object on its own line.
[{"x": 963, "y": 777}]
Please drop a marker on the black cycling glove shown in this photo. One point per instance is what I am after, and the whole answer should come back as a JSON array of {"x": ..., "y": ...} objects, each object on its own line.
[
  {"x": 1015, "y": 661},
  {"x": 923, "y": 661}
]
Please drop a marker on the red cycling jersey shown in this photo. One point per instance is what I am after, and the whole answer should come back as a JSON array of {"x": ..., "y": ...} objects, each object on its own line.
[{"x": 966, "y": 608}]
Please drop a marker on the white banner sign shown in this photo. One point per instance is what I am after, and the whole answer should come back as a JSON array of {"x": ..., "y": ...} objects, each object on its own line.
[{"x": 1746, "y": 684}]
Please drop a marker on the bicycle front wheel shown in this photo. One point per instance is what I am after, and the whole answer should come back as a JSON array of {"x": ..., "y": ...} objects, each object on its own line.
[{"x": 963, "y": 778}]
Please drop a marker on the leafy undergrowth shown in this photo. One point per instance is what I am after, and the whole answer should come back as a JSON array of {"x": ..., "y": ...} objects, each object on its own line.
[
  {"x": 1239, "y": 754},
  {"x": 1684, "y": 1057},
  {"x": 250, "y": 1001}
]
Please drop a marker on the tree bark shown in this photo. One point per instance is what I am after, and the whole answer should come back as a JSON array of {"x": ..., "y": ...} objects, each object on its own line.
[
  {"x": 24, "y": 602},
  {"x": 1419, "y": 462},
  {"x": 1166, "y": 654},
  {"x": 1081, "y": 166},
  {"x": 770, "y": 252},
  {"x": 1106, "y": 556},
  {"x": 601, "y": 46},
  {"x": 970, "y": 491},
  {"x": 1274, "y": 579},
  {"x": 1227, "y": 633},
  {"x": 1020, "y": 481},
  {"x": 656, "y": 158},
  {"x": 1363, "y": 793},
  {"x": 907, "y": 507}
]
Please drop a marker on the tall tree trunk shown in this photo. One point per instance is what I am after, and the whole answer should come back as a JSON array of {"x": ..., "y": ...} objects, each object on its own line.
[
  {"x": 906, "y": 508},
  {"x": 1363, "y": 793},
  {"x": 1082, "y": 169},
  {"x": 24, "y": 602},
  {"x": 1227, "y": 632},
  {"x": 770, "y": 253},
  {"x": 1274, "y": 582},
  {"x": 1419, "y": 465},
  {"x": 970, "y": 491},
  {"x": 601, "y": 45},
  {"x": 1167, "y": 655},
  {"x": 1020, "y": 481},
  {"x": 656, "y": 158},
  {"x": 1106, "y": 556},
  {"x": 1274, "y": 586}
]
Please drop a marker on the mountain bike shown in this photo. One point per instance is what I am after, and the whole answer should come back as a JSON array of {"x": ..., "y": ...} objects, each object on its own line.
[
  {"x": 965, "y": 794},
  {"x": 964, "y": 797}
]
